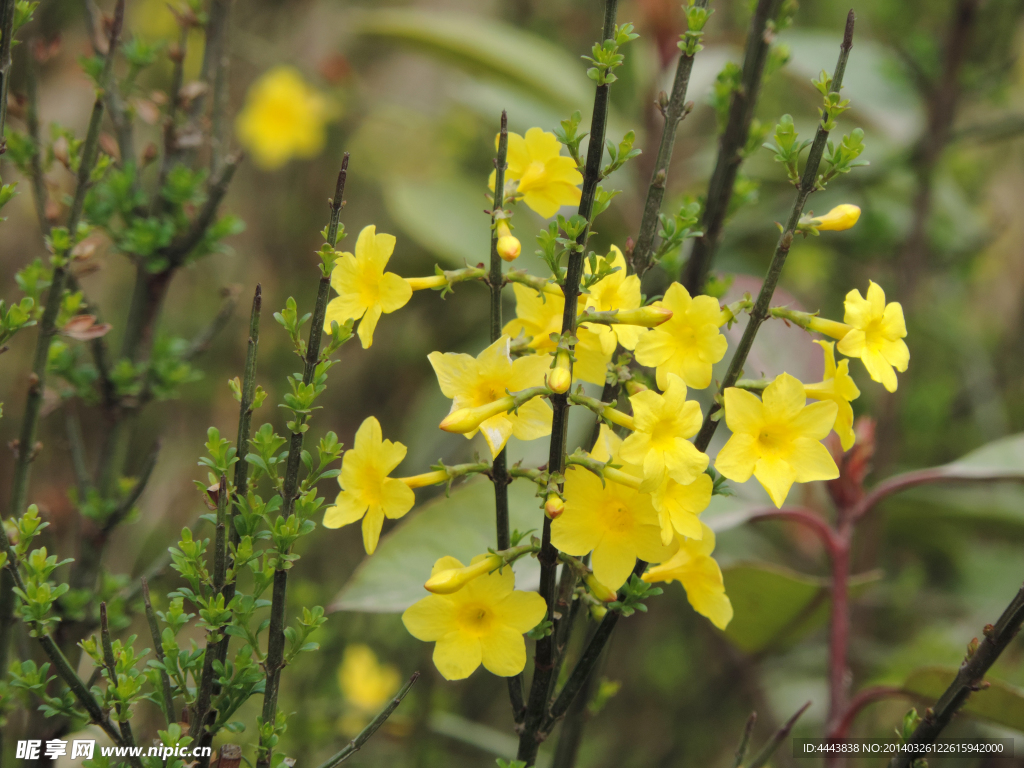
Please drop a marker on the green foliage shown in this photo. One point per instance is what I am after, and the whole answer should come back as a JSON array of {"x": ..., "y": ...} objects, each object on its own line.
[
  {"x": 632, "y": 596},
  {"x": 621, "y": 154},
  {"x": 568, "y": 134},
  {"x": 696, "y": 17},
  {"x": 786, "y": 147},
  {"x": 842, "y": 158},
  {"x": 605, "y": 55},
  {"x": 16, "y": 317},
  {"x": 676, "y": 229}
]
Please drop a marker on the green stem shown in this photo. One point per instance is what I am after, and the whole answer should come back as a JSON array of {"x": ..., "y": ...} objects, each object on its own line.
[
  {"x": 241, "y": 489},
  {"x": 760, "y": 311},
  {"x": 158, "y": 649},
  {"x": 6, "y": 62},
  {"x": 731, "y": 146},
  {"x": 108, "y": 659},
  {"x": 499, "y": 469},
  {"x": 544, "y": 656},
  {"x": 674, "y": 113},
  {"x": 275, "y": 632},
  {"x": 60, "y": 663},
  {"x": 762, "y": 757},
  {"x": 969, "y": 678},
  {"x": 47, "y": 329},
  {"x": 356, "y": 744}
]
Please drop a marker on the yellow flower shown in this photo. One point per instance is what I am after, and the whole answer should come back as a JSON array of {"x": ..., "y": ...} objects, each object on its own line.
[
  {"x": 615, "y": 522},
  {"x": 482, "y": 622},
  {"x": 838, "y": 387},
  {"x": 364, "y": 289},
  {"x": 776, "y": 439},
  {"x": 840, "y": 218},
  {"x": 451, "y": 580},
  {"x": 694, "y": 568},
  {"x": 283, "y": 117},
  {"x": 662, "y": 424},
  {"x": 366, "y": 490},
  {"x": 365, "y": 683},
  {"x": 546, "y": 179},
  {"x": 688, "y": 344},
  {"x": 540, "y": 315},
  {"x": 679, "y": 505},
  {"x": 475, "y": 382},
  {"x": 877, "y": 335},
  {"x": 616, "y": 291}
]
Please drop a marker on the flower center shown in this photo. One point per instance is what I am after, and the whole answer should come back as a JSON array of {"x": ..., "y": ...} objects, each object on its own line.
[
  {"x": 773, "y": 439},
  {"x": 874, "y": 334},
  {"x": 476, "y": 618},
  {"x": 663, "y": 435},
  {"x": 618, "y": 518},
  {"x": 533, "y": 176}
]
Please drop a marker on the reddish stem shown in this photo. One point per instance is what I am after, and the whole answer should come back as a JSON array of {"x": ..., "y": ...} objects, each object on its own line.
[
  {"x": 860, "y": 702},
  {"x": 806, "y": 518},
  {"x": 839, "y": 631}
]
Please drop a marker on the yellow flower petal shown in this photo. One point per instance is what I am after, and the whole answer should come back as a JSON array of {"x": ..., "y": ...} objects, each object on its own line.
[
  {"x": 503, "y": 652},
  {"x": 457, "y": 655},
  {"x": 431, "y": 618}
]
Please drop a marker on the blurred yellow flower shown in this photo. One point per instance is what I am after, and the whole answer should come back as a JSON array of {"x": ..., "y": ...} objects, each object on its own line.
[
  {"x": 283, "y": 117},
  {"x": 694, "y": 568},
  {"x": 838, "y": 387},
  {"x": 662, "y": 424},
  {"x": 689, "y": 344},
  {"x": 483, "y": 622},
  {"x": 776, "y": 439},
  {"x": 365, "y": 683},
  {"x": 877, "y": 335},
  {"x": 540, "y": 315},
  {"x": 476, "y": 382},
  {"x": 367, "y": 491},
  {"x": 364, "y": 289},
  {"x": 546, "y": 179},
  {"x": 616, "y": 522}
]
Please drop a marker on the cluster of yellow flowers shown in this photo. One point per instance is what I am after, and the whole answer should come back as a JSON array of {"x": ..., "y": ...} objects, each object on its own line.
[{"x": 637, "y": 497}]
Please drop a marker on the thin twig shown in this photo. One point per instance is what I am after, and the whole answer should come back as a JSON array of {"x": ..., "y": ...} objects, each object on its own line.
[
  {"x": 731, "y": 146},
  {"x": 274, "y": 662},
  {"x": 6, "y": 62},
  {"x": 759, "y": 313},
  {"x": 776, "y": 740},
  {"x": 859, "y": 702},
  {"x": 741, "y": 750},
  {"x": 540, "y": 687},
  {"x": 108, "y": 659},
  {"x": 182, "y": 245},
  {"x": 158, "y": 649},
  {"x": 205, "y": 337},
  {"x": 357, "y": 743},
  {"x": 674, "y": 113},
  {"x": 128, "y": 501},
  {"x": 968, "y": 679}
]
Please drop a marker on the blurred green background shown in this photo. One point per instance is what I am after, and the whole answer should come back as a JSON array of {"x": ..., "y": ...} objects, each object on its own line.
[{"x": 416, "y": 92}]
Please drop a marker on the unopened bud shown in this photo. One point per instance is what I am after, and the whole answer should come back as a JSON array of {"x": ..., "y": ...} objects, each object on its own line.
[
  {"x": 634, "y": 387},
  {"x": 560, "y": 378},
  {"x": 840, "y": 218},
  {"x": 427, "y": 478},
  {"x": 466, "y": 420},
  {"x": 453, "y": 579},
  {"x": 508, "y": 246},
  {"x": 150, "y": 153},
  {"x": 598, "y": 612},
  {"x": 648, "y": 317},
  {"x": 554, "y": 506},
  {"x": 599, "y": 590}
]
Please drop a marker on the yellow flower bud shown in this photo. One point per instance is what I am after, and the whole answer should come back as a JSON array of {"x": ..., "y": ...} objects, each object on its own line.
[
  {"x": 466, "y": 420},
  {"x": 839, "y": 218},
  {"x": 649, "y": 317},
  {"x": 560, "y": 378},
  {"x": 554, "y": 506},
  {"x": 509, "y": 246},
  {"x": 599, "y": 590},
  {"x": 453, "y": 579},
  {"x": 424, "y": 283},
  {"x": 598, "y": 612},
  {"x": 427, "y": 478},
  {"x": 634, "y": 387}
]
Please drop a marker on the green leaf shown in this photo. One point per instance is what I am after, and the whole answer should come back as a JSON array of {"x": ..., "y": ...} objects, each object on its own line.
[
  {"x": 488, "y": 47},
  {"x": 774, "y": 607},
  {"x": 461, "y": 525},
  {"x": 1001, "y": 703}
]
